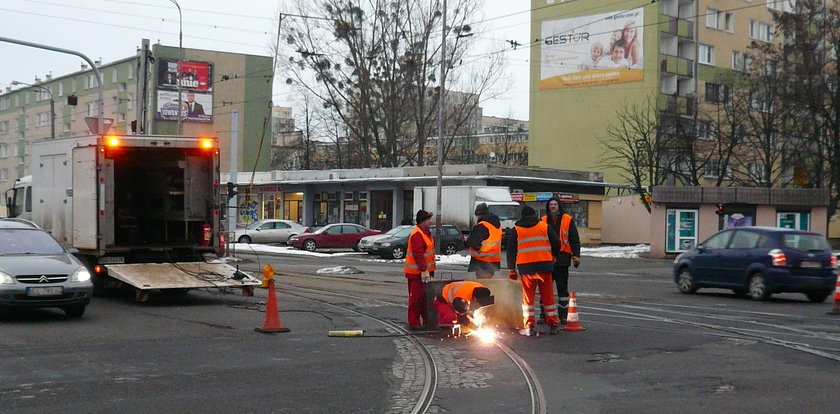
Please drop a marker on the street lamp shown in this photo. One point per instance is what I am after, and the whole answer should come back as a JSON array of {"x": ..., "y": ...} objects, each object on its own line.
[
  {"x": 180, "y": 58},
  {"x": 52, "y": 104}
]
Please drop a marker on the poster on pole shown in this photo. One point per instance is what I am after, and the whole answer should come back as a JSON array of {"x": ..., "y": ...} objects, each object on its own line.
[
  {"x": 196, "y": 80},
  {"x": 195, "y": 76},
  {"x": 592, "y": 50},
  {"x": 195, "y": 107}
]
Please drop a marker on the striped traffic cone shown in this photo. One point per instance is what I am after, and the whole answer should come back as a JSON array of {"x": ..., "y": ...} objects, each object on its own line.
[
  {"x": 836, "y": 310},
  {"x": 572, "y": 320}
]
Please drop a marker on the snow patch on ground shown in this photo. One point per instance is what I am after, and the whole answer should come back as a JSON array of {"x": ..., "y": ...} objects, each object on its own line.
[
  {"x": 616, "y": 251},
  {"x": 339, "y": 270}
]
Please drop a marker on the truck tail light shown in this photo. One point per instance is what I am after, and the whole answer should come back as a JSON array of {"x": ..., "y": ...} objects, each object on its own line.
[
  {"x": 207, "y": 143},
  {"x": 778, "y": 257}
]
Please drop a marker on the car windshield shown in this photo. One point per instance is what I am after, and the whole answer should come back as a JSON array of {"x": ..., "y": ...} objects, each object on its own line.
[
  {"x": 254, "y": 225},
  {"x": 404, "y": 232},
  {"x": 506, "y": 212},
  {"x": 394, "y": 231},
  {"x": 805, "y": 242},
  {"x": 22, "y": 241}
]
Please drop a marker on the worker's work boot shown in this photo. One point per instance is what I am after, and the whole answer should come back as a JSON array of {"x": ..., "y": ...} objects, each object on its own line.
[
  {"x": 528, "y": 331},
  {"x": 554, "y": 330}
]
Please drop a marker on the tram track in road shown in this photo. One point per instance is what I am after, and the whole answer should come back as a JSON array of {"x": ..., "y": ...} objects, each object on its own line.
[
  {"x": 426, "y": 397},
  {"x": 729, "y": 323}
]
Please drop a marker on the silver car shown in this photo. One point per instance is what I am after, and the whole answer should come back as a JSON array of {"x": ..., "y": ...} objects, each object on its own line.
[
  {"x": 269, "y": 231},
  {"x": 36, "y": 271},
  {"x": 366, "y": 243}
]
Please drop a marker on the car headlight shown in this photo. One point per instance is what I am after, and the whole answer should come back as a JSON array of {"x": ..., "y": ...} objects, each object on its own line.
[
  {"x": 6, "y": 279},
  {"x": 386, "y": 244},
  {"x": 80, "y": 275}
]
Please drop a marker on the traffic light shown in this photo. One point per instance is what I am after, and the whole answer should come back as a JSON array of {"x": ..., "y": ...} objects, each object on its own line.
[
  {"x": 231, "y": 187},
  {"x": 719, "y": 210}
]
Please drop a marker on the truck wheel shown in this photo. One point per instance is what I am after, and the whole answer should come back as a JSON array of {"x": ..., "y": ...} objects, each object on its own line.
[
  {"x": 75, "y": 311},
  {"x": 310, "y": 245},
  {"x": 398, "y": 252},
  {"x": 450, "y": 249},
  {"x": 244, "y": 239}
]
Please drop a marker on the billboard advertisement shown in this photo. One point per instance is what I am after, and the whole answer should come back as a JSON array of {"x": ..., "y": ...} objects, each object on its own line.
[
  {"x": 196, "y": 91},
  {"x": 592, "y": 50}
]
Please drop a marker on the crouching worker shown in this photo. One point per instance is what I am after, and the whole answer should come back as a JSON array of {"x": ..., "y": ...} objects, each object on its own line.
[{"x": 457, "y": 300}]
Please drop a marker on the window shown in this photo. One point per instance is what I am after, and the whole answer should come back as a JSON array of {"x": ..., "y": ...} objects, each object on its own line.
[
  {"x": 121, "y": 117},
  {"x": 712, "y": 92},
  {"x": 73, "y": 85},
  {"x": 761, "y": 31},
  {"x": 793, "y": 220},
  {"x": 718, "y": 241},
  {"x": 61, "y": 89},
  {"x": 114, "y": 74},
  {"x": 744, "y": 240},
  {"x": 739, "y": 61},
  {"x": 706, "y": 54},
  {"x": 90, "y": 109},
  {"x": 681, "y": 230},
  {"x": 781, "y": 5},
  {"x": 4, "y": 127},
  {"x": 705, "y": 129},
  {"x": 281, "y": 225},
  {"x": 4, "y": 104},
  {"x": 4, "y": 151},
  {"x": 756, "y": 171},
  {"x": 66, "y": 127},
  {"x": 42, "y": 95},
  {"x": 42, "y": 119},
  {"x": 4, "y": 174},
  {"x": 716, "y": 19},
  {"x": 122, "y": 87},
  {"x": 90, "y": 81},
  {"x": 130, "y": 71},
  {"x": 334, "y": 230},
  {"x": 760, "y": 102}
]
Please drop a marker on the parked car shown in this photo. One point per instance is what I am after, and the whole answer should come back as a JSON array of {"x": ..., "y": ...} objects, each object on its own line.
[
  {"x": 395, "y": 246},
  {"x": 36, "y": 271},
  {"x": 341, "y": 235},
  {"x": 366, "y": 243},
  {"x": 269, "y": 231},
  {"x": 760, "y": 261}
]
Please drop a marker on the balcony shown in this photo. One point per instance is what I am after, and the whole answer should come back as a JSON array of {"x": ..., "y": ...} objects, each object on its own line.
[
  {"x": 678, "y": 27},
  {"x": 676, "y": 65},
  {"x": 675, "y": 104}
]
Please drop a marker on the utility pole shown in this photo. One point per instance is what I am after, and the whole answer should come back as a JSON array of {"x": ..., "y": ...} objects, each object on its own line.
[
  {"x": 180, "y": 58},
  {"x": 441, "y": 125},
  {"x": 52, "y": 104}
]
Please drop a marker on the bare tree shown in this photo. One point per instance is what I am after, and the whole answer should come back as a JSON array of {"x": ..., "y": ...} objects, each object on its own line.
[
  {"x": 374, "y": 63},
  {"x": 636, "y": 146}
]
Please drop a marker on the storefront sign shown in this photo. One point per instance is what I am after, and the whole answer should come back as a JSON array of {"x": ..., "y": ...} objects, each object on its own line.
[
  {"x": 517, "y": 197},
  {"x": 567, "y": 198},
  {"x": 269, "y": 188},
  {"x": 530, "y": 197},
  {"x": 544, "y": 196}
]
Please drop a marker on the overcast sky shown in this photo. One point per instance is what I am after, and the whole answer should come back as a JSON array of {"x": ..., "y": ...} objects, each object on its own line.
[{"x": 112, "y": 29}]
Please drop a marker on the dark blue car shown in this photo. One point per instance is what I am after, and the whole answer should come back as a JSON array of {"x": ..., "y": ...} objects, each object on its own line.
[{"x": 760, "y": 261}]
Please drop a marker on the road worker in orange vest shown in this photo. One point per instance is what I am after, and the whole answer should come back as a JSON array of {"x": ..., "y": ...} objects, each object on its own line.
[
  {"x": 419, "y": 268},
  {"x": 457, "y": 299},
  {"x": 531, "y": 248},
  {"x": 485, "y": 243},
  {"x": 564, "y": 225}
]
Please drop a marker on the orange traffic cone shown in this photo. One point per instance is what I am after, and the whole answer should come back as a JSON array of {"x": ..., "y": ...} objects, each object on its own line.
[
  {"x": 272, "y": 315},
  {"x": 572, "y": 320},
  {"x": 836, "y": 310}
]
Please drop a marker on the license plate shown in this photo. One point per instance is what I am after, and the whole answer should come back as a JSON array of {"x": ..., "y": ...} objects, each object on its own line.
[
  {"x": 810, "y": 265},
  {"x": 111, "y": 260},
  {"x": 44, "y": 291}
]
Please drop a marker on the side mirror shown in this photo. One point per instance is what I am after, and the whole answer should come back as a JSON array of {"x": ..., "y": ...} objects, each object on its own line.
[
  {"x": 73, "y": 250},
  {"x": 700, "y": 247}
]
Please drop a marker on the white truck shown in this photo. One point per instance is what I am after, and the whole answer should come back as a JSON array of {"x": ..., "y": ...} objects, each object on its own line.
[
  {"x": 137, "y": 210},
  {"x": 459, "y": 202}
]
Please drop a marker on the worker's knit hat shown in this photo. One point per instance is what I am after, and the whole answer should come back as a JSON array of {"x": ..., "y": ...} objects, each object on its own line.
[{"x": 422, "y": 215}]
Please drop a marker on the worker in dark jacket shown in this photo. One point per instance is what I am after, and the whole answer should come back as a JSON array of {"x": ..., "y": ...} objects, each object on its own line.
[
  {"x": 485, "y": 243},
  {"x": 531, "y": 248},
  {"x": 564, "y": 226}
]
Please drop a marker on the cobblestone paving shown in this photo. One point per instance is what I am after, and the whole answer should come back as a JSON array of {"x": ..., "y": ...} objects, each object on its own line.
[
  {"x": 409, "y": 373},
  {"x": 458, "y": 369}
]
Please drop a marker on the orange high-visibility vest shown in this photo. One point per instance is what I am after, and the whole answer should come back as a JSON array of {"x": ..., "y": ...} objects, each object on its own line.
[
  {"x": 463, "y": 290},
  {"x": 565, "y": 223},
  {"x": 491, "y": 247},
  {"x": 532, "y": 244},
  {"x": 410, "y": 266}
]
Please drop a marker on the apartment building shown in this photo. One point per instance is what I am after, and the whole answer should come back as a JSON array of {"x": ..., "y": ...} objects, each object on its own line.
[
  {"x": 669, "y": 57},
  {"x": 141, "y": 96}
]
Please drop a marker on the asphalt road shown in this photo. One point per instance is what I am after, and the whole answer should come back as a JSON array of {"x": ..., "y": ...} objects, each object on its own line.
[{"x": 647, "y": 349}]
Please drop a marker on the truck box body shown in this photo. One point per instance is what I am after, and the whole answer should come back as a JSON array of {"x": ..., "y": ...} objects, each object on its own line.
[
  {"x": 459, "y": 202},
  {"x": 130, "y": 200}
]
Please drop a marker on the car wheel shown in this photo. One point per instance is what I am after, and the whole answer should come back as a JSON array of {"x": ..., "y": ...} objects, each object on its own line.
[
  {"x": 758, "y": 289},
  {"x": 356, "y": 247},
  {"x": 244, "y": 239},
  {"x": 398, "y": 252},
  {"x": 75, "y": 311},
  {"x": 450, "y": 249},
  {"x": 685, "y": 282},
  {"x": 818, "y": 297},
  {"x": 290, "y": 237},
  {"x": 310, "y": 245}
]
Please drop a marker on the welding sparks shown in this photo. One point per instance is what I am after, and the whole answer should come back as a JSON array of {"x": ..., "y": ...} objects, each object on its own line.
[{"x": 485, "y": 335}]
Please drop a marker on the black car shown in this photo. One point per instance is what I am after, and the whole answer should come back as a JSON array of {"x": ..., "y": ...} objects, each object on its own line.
[
  {"x": 760, "y": 261},
  {"x": 395, "y": 245}
]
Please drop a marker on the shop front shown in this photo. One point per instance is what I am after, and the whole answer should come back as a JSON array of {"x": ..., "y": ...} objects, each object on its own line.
[{"x": 584, "y": 208}]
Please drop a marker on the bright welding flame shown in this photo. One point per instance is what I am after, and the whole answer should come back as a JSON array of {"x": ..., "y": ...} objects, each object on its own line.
[{"x": 485, "y": 335}]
